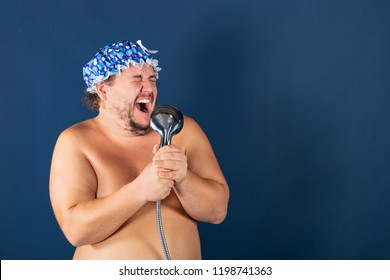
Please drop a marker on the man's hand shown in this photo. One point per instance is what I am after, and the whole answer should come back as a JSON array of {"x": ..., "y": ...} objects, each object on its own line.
[
  {"x": 171, "y": 162},
  {"x": 152, "y": 186}
]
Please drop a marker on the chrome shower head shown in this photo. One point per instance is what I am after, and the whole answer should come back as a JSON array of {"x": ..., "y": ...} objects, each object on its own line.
[{"x": 167, "y": 121}]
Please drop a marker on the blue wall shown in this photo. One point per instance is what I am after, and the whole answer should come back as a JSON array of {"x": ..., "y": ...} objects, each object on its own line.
[{"x": 294, "y": 96}]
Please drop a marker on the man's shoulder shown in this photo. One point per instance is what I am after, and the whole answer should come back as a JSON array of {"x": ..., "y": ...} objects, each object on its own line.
[
  {"x": 191, "y": 131},
  {"x": 189, "y": 123},
  {"x": 77, "y": 131},
  {"x": 191, "y": 126}
]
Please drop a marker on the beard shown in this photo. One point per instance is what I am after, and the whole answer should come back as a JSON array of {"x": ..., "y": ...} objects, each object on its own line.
[
  {"x": 137, "y": 129},
  {"x": 130, "y": 124}
]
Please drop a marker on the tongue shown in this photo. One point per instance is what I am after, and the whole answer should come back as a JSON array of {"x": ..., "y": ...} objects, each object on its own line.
[{"x": 142, "y": 107}]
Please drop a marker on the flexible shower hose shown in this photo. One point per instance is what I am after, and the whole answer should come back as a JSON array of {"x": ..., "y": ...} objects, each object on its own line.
[{"x": 161, "y": 231}]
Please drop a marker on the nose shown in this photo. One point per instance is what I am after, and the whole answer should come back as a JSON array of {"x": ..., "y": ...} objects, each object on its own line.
[{"x": 147, "y": 86}]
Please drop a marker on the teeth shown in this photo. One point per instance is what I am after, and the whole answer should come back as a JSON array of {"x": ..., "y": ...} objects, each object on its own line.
[{"x": 143, "y": 101}]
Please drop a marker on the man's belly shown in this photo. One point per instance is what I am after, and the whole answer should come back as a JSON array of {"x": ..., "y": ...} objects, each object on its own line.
[{"x": 138, "y": 238}]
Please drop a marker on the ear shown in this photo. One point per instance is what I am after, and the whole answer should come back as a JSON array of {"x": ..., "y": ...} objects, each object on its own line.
[{"x": 101, "y": 91}]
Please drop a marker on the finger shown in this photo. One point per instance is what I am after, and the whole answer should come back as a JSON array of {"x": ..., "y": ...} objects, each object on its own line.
[
  {"x": 172, "y": 175},
  {"x": 166, "y": 174},
  {"x": 170, "y": 165},
  {"x": 175, "y": 155},
  {"x": 155, "y": 148},
  {"x": 169, "y": 149}
]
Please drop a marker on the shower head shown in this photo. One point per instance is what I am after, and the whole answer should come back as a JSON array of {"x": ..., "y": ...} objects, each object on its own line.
[{"x": 167, "y": 121}]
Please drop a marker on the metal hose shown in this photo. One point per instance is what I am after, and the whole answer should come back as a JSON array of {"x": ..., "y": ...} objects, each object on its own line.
[{"x": 161, "y": 231}]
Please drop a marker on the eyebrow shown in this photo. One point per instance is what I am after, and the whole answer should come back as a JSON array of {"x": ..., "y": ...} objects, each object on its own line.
[{"x": 140, "y": 77}]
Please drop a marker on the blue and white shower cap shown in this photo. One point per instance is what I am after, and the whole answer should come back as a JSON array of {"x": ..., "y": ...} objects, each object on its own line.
[{"x": 111, "y": 59}]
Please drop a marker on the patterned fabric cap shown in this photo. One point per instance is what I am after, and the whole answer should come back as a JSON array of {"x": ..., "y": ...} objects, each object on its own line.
[{"x": 111, "y": 59}]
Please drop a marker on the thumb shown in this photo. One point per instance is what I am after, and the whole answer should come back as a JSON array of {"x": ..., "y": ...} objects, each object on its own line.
[{"x": 155, "y": 148}]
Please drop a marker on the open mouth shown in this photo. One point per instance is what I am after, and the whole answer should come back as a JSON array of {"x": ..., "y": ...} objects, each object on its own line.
[{"x": 143, "y": 105}]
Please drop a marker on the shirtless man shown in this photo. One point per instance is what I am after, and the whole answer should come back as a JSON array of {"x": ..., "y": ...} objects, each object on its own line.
[{"x": 108, "y": 172}]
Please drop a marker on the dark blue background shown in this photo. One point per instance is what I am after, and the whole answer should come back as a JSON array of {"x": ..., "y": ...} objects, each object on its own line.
[{"x": 294, "y": 96}]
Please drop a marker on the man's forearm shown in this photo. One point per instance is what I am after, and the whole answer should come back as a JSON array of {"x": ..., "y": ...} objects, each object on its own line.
[
  {"x": 203, "y": 199},
  {"x": 92, "y": 221}
]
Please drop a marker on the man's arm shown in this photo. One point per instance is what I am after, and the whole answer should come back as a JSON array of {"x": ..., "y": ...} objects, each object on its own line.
[
  {"x": 84, "y": 218},
  {"x": 199, "y": 181}
]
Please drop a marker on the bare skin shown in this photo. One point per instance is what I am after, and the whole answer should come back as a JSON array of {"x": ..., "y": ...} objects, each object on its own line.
[{"x": 107, "y": 175}]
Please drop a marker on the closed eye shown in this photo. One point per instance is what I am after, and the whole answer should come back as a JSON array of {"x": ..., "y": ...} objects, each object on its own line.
[{"x": 137, "y": 78}]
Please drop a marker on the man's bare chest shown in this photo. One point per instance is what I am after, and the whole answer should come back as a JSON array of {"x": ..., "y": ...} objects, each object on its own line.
[{"x": 117, "y": 165}]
